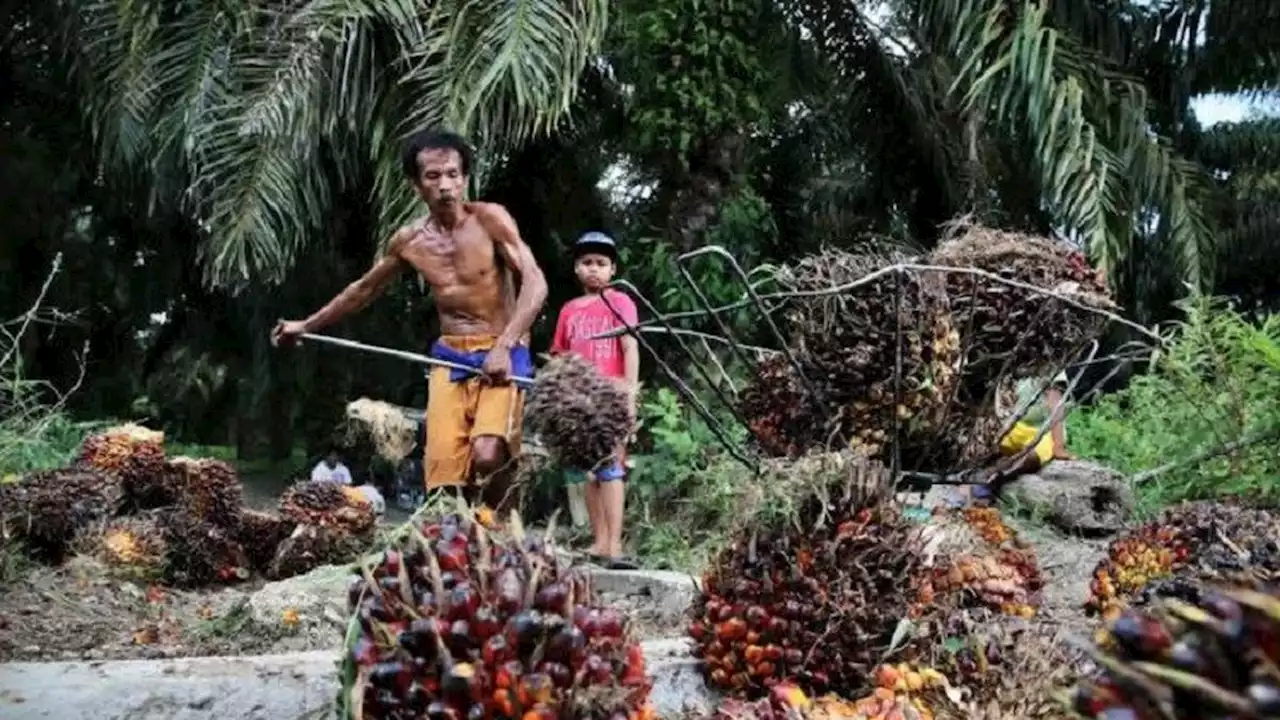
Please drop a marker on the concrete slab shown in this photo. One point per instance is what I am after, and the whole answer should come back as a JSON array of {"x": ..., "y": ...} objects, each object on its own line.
[{"x": 296, "y": 686}]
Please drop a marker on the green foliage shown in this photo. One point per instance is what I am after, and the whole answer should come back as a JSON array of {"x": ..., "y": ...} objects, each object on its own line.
[
  {"x": 696, "y": 69},
  {"x": 682, "y": 489},
  {"x": 1216, "y": 385},
  {"x": 36, "y": 433}
]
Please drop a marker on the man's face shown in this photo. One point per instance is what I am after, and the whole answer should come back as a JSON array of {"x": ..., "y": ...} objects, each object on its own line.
[
  {"x": 440, "y": 182},
  {"x": 594, "y": 271},
  {"x": 331, "y": 459}
]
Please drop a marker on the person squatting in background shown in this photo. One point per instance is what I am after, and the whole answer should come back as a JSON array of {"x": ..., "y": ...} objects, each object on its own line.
[{"x": 598, "y": 310}]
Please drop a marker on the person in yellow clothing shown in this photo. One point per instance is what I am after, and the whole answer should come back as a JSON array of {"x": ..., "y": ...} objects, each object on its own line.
[
  {"x": 1038, "y": 410},
  {"x": 1053, "y": 445}
]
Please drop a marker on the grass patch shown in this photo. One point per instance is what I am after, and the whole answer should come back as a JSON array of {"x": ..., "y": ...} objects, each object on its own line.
[
  {"x": 1207, "y": 416},
  {"x": 36, "y": 433}
]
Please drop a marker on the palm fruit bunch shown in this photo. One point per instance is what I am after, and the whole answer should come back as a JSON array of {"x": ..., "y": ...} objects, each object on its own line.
[
  {"x": 1208, "y": 541},
  {"x": 136, "y": 454},
  {"x": 581, "y": 416},
  {"x": 1007, "y": 581},
  {"x": 260, "y": 534},
  {"x": 133, "y": 546},
  {"x": 850, "y": 343},
  {"x": 327, "y": 504},
  {"x": 307, "y": 547},
  {"x": 779, "y": 411},
  {"x": 1016, "y": 327},
  {"x": 208, "y": 489},
  {"x": 1211, "y": 660},
  {"x": 200, "y": 553},
  {"x": 44, "y": 510},
  {"x": 458, "y": 621},
  {"x": 1152, "y": 552},
  {"x": 989, "y": 565},
  {"x": 813, "y": 585}
]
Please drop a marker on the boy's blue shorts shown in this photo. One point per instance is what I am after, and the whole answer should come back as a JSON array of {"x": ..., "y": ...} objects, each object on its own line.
[{"x": 613, "y": 471}]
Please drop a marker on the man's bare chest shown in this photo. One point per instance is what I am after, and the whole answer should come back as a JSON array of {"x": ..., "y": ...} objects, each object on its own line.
[{"x": 465, "y": 255}]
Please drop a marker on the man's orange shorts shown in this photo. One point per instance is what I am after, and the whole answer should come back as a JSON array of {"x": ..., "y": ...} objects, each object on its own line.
[{"x": 459, "y": 412}]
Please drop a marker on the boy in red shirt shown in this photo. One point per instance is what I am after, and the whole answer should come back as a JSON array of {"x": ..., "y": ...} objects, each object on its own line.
[{"x": 595, "y": 260}]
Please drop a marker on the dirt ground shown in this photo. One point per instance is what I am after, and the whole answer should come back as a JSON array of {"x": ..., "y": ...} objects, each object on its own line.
[{"x": 78, "y": 612}]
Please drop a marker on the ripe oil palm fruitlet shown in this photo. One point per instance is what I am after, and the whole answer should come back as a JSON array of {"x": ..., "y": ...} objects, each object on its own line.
[{"x": 464, "y": 621}]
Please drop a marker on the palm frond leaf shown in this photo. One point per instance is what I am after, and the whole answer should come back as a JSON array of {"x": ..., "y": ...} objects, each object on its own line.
[
  {"x": 1101, "y": 165},
  {"x": 266, "y": 111}
]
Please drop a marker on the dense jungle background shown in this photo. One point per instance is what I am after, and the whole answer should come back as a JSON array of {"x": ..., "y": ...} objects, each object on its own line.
[{"x": 178, "y": 175}]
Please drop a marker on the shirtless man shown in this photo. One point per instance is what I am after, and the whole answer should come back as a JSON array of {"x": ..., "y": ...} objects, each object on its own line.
[{"x": 473, "y": 423}]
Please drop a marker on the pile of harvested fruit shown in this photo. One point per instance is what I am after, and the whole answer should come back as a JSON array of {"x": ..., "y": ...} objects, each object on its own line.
[
  {"x": 849, "y": 345},
  {"x": 1187, "y": 545},
  {"x": 998, "y": 666},
  {"x": 1213, "y": 660},
  {"x": 44, "y": 510},
  {"x": 892, "y": 357},
  {"x": 811, "y": 590},
  {"x": 134, "y": 454},
  {"x": 1023, "y": 331},
  {"x": 168, "y": 545},
  {"x": 180, "y": 521},
  {"x": 328, "y": 524},
  {"x": 461, "y": 621}
]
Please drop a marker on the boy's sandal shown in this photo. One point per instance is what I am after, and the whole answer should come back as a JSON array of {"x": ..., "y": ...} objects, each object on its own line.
[{"x": 621, "y": 563}]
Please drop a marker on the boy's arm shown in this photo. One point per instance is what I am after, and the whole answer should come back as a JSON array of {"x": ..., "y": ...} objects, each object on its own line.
[
  {"x": 559, "y": 343},
  {"x": 626, "y": 307},
  {"x": 631, "y": 363},
  {"x": 533, "y": 285}
]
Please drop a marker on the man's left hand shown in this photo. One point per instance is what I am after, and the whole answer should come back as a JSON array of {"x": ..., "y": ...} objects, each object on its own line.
[{"x": 497, "y": 366}]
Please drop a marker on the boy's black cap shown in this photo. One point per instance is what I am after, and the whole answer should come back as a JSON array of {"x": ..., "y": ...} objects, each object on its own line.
[{"x": 596, "y": 243}]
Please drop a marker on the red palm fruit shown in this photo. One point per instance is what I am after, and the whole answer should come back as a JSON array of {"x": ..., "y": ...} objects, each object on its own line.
[
  {"x": 552, "y": 597},
  {"x": 451, "y": 557},
  {"x": 463, "y": 602},
  {"x": 496, "y": 651},
  {"x": 509, "y": 673},
  {"x": 610, "y": 623},
  {"x": 503, "y": 703},
  {"x": 731, "y": 629},
  {"x": 485, "y": 623},
  {"x": 535, "y": 688}
]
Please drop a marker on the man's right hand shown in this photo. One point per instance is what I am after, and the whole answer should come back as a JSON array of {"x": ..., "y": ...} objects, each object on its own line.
[{"x": 287, "y": 332}]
